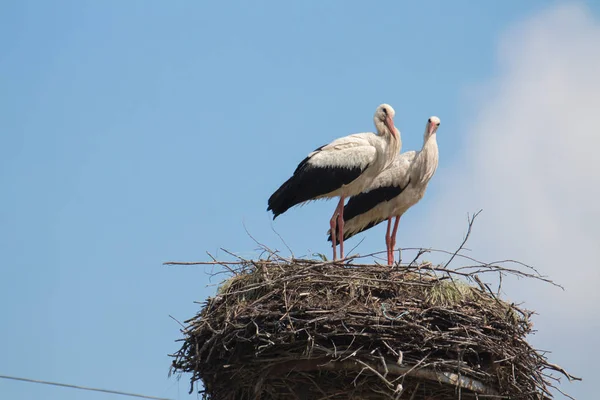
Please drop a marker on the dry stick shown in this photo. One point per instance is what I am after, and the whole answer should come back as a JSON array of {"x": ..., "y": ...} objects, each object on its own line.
[
  {"x": 500, "y": 275},
  {"x": 393, "y": 351},
  {"x": 466, "y": 238},
  {"x": 222, "y": 264},
  {"x": 372, "y": 255},
  {"x": 287, "y": 307},
  {"x": 484, "y": 267},
  {"x": 310, "y": 268},
  {"x": 383, "y": 363},
  {"x": 471, "y": 274},
  {"x": 174, "y": 319},
  {"x": 561, "y": 370},
  {"x": 421, "y": 361},
  {"x": 461, "y": 256},
  {"x": 252, "y": 237},
  {"x": 354, "y": 248},
  {"x": 415, "y": 391},
  {"x": 388, "y": 383},
  {"x": 242, "y": 259},
  {"x": 563, "y": 393},
  {"x": 443, "y": 377},
  {"x": 259, "y": 244},
  {"x": 419, "y": 254},
  {"x": 516, "y": 272},
  {"x": 201, "y": 262},
  {"x": 266, "y": 248},
  {"x": 280, "y": 238}
]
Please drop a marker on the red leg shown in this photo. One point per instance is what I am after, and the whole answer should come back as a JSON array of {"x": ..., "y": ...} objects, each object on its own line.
[
  {"x": 341, "y": 226},
  {"x": 334, "y": 232},
  {"x": 393, "y": 237},
  {"x": 332, "y": 226},
  {"x": 388, "y": 241}
]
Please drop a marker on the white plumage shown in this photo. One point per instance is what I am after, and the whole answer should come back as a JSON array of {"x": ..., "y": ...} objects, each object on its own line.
[
  {"x": 344, "y": 167},
  {"x": 367, "y": 152},
  {"x": 394, "y": 190}
]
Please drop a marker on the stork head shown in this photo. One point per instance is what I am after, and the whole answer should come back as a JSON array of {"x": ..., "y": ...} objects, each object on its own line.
[
  {"x": 384, "y": 120},
  {"x": 433, "y": 123}
]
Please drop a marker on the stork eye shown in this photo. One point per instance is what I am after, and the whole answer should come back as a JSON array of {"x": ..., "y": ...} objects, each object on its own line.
[{"x": 385, "y": 111}]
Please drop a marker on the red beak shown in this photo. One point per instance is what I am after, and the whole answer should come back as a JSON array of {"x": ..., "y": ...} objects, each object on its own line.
[
  {"x": 389, "y": 122},
  {"x": 432, "y": 129}
]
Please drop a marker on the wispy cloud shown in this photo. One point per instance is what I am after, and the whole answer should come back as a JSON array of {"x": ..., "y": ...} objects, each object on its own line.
[{"x": 531, "y": 160}]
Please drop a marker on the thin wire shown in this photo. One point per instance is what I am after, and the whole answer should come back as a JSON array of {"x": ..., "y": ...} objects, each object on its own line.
[{"x": 81, "y": 387}]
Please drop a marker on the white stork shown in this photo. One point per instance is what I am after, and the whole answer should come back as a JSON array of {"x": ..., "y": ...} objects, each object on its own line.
[
  {"x": 394, "y": 191},
  {"x": 344, "y": 167}
]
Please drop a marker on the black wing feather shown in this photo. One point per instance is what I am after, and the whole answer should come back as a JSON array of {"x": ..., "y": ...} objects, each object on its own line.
[
  {"x": 309, "y": 182},
  {"x": 364, "y": 202}
]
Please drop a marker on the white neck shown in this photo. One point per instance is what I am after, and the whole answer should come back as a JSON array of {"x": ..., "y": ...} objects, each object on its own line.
[
  {"x": 382, "y": 129},
  {"x": 426, "y": 162}
]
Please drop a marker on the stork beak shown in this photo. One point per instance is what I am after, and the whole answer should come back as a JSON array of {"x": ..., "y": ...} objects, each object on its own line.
[
  {"x": 431, "y": 129},
  {"x": 389, "y": 122}
]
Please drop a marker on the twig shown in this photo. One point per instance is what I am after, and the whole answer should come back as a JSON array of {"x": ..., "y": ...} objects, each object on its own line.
[
  {"x": 200, "y": 263},
  {"x": 282, "y": 240},
  {"x": 355, "y": 247},
  {"x": 466, "y": 238},
  {"x": 224, "y": 265},
  {"x": 562, "y": 371},
  {"x": 174, "y": 319},
  {"x": 283, "y": 315}
]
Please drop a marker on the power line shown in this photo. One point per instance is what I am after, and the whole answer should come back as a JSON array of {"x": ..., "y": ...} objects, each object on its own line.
[{"x": 81, "y": 387}]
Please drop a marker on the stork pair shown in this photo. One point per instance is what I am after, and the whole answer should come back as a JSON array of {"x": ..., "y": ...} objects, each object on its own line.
[{"x": 368, "y": 168}]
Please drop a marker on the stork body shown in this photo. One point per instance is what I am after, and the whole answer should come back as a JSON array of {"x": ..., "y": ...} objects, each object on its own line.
[
  {"x": 394, "y": 191},
  {"x": 342, "y": 168}
]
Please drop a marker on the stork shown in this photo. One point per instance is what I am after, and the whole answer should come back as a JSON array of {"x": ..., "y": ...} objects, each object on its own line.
[
  {"x": 342, "y": 168},
  {"x": 393, "y": 192}
]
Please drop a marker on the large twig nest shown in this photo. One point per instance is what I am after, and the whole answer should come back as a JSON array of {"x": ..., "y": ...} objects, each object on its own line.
[{"x": 303, "y": 329}]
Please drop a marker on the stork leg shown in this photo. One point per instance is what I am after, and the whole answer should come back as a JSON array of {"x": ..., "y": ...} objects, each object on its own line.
[
  {"x": 341, "y": 225},
  {"x": 334, "y": 233},
  {"x": 339, "y": 210},
  {"x": 388, "y": 242},
  {"x": 393, "y": 238}
]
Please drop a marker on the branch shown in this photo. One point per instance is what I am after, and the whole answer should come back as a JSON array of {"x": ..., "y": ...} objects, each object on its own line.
[{"x": 466, "y": 238}]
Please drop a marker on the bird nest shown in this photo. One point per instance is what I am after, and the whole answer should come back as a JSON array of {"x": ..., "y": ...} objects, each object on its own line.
[{"x": 308, "y": 329}]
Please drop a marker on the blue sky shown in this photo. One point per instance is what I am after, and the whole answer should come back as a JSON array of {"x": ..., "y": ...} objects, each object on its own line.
[{"x": 133, "y": 133}]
